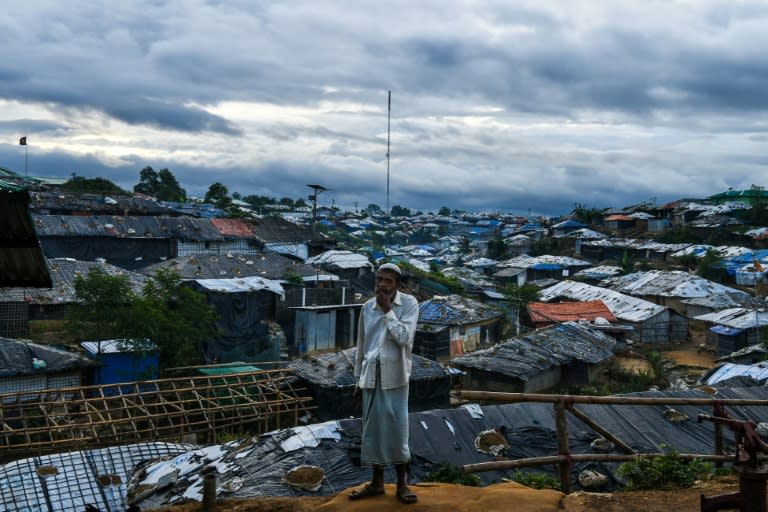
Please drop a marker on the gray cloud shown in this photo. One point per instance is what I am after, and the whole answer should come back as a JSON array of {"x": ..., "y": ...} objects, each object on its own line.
[{"x": 497, "y": 105}]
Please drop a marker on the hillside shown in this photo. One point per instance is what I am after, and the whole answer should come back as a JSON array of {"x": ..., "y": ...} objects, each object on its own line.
[{"x": 500, "y": 497}]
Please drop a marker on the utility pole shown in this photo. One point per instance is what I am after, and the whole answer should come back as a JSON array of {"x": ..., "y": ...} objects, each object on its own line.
[{"x": 389, "y": 111}]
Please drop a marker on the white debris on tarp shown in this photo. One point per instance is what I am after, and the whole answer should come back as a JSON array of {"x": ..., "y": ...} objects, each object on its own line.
[
  {"x": 424, "y": 425},
  {"x": 450, "y": 426},
  {"x": 474, "y": 410},
  {"x": 311, "y": 435}
]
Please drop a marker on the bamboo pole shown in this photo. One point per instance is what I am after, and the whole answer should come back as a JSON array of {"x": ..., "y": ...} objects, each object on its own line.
[
  {"x": 562, "y": 447},
  {"x": 492, "y": 396},
  {"x": 501, "y": 465},
  {"x": 599, "y": 429}
]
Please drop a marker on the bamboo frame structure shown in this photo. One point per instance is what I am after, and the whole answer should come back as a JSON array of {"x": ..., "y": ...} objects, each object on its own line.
[
  {"x": 566, "y": 403},
  {"x": 52, "y": 420}
]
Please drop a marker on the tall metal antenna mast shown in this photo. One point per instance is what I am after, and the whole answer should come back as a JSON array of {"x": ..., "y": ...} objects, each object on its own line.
[{"x": 389, "y": 111}]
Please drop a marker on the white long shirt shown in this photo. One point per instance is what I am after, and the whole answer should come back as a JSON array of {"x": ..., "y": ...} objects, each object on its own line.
[{"x": 387, "y": 337}]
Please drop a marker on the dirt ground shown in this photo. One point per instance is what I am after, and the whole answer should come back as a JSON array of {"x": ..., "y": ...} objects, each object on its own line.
[{"x": 500, "y": 497}]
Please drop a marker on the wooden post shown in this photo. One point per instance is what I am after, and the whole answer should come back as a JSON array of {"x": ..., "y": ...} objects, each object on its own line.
[
  {"x": 209, "y": 491},
  {"x": 562, "y": 446}
]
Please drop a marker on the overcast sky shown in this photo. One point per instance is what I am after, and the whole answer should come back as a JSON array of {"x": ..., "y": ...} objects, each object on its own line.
[{"x": 497, "y": 105}]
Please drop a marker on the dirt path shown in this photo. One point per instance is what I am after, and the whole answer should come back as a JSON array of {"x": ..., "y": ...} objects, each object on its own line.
[{"x": 500, "y": 497}]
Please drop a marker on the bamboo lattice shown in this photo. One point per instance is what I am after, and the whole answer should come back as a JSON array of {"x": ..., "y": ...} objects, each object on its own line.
[{"x": 53, "y": 420}]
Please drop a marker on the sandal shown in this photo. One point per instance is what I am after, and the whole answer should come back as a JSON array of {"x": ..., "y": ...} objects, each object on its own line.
[
  {"x": 365, "y": 492},
  {"x": 405, "y": 495}
]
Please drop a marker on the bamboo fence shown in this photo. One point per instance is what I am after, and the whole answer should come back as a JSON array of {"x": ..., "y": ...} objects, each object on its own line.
[
  {"x": 53, "y": 420},
  {"x": 563, "y": 404}
]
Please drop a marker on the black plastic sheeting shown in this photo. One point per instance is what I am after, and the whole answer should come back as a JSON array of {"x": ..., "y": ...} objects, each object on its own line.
[
  {"x": 448, "y": 436},
  {"x": 16, "y": 358},
  {"x": 331, "y": 382}
]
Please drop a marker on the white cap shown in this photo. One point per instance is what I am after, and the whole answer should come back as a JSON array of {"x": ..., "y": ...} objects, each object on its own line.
[{"x": 392, "y": 267}]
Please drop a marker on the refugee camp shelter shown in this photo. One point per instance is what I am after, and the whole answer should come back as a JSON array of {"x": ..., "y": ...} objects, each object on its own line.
[
  {"x": 21, "y": 260},
  {"x": 329, "y": 379},
  {"x": 20, "y": 305},
  {"x": 246, "y": 313},
  {"x": 452, "y": 325},
  {"x": 569, "y": 354},
  {"x": 734, "y": 328},
  {"x": 318, "y": 328},
  {"x": 122, "y": 360},
  {"x": 543, "y": 267},
  {"x": 544, "y": 314},
  {"x": 651, "y": 323},
  {"x": 346, "y": 264},
  {"x": 673, "y": 288},
  {"x": 27, "y": 366}
]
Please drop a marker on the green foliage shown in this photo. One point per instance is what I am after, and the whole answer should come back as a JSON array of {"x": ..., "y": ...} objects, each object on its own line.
[
  {"x": 626, "y": 264},
  {"x": 444, "y": 211},
  {"x": 447, "y": 473},
  {"x": 536, "y": 480},
  {"x": 586, "y": 215},
  {"x": 293, "y": 277},
  {"x": 103, "y": 306},
  {"x": 400, "y": 211},
  {"x": 758, "y": 213},
  {"x": 656, "y": 363},
  {"x": 174, "y": 317},
  {"x": 374, "y": 209},
  {"x": 161, "y": 184},
  {"x": 679, "y": 236},
  {"x": 519, "y": 297},
  {"x": 217, "y": 194},
  {"x": 497, "y": 248},
  {"x": 668, "y": 470},
  {"x": 711, "y": 267},
  {"x": 542, "y": 246},
  {"x": 79, "y": 185},
  {"x": 453, "y": 284}
]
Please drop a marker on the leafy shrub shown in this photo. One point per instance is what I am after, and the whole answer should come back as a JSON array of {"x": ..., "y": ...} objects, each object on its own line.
[
  {"x": 450, "y": 474},
  {"x": 536, "y": 480},
  {"x": 667, "y": 470}
]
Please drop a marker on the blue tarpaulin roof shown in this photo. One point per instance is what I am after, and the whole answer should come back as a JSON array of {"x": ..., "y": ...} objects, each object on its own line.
[
  {"x": 726, "y": 331},
  {"x": 546, "y": 266}
]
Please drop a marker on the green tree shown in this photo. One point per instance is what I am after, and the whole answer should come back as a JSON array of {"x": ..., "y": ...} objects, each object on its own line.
[
  {"x": 374, "y": 209},
  {"x": 586, "y": 215},
  {"x": 519, "y": 297},
  {"x": 218, "y": 194},
  {"x": 102, "y": 310},
  {"x": 400, "y": 211},
  {"x": 79, "y": 185},
  {"x": 627, "y": 265},
  {"x": 496, "y": 247},
  {"x": 711, "y": 267},
  {"x": 542, "y": 246},
  {"x": 465, "y": 244},
  {"x": 160, "y": 184},
  {"x": 444, "y": 211},
  {"x": 169, "y": 188},
  {"x": 176, "y": 318}
]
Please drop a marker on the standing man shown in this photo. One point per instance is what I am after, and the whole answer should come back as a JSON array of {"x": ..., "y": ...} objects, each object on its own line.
[{"x": 382, "y": 368}]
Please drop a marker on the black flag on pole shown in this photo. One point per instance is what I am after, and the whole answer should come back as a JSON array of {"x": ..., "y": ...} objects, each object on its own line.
[{"x": 23, "y": 141}]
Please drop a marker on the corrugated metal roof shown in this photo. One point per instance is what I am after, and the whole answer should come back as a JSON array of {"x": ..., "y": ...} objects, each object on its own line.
[
  {"x": 600, "y": 272},
  {"x": 64, "y": 271},
  {"x": 245, "y": 284},
  {"x": 669, "y": 284},
  {"x": 525, "y": 261},
  {"x": 21, "y": 260},
  {"x": 529, "y": 355},
  {"x": 335, "y": 369},
  {"x": 182, "y": 228},
  {"x": 757, "y": 371},
  {"x": 269, "y": 265},
  {"x": 623, "y": 307},
  {"x": 234, "y": 228},
  {"x": 455, "y": 310},
  {"x": 341, "y": 259},
  {"x": 739, "y": 318},
  {"x": 559, "y": 312}
]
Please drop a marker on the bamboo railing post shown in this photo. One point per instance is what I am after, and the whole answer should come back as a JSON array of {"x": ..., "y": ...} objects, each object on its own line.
[{"x": 562, "y": 446}]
